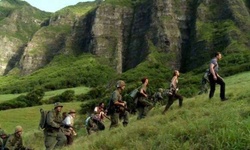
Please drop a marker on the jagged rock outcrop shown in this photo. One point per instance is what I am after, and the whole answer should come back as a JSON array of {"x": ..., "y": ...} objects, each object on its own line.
[
  {"x": 17, "y": 25},
  {"x": 47, "y": 42},
  {"x": 188, "y": 31}
]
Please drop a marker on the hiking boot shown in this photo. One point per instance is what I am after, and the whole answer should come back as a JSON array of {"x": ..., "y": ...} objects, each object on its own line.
[
  {"x": 125, "y": 124},
  {"x": 224, "y": 99}
]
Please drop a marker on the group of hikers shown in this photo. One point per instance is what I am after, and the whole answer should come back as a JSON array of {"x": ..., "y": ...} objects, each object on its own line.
[
  {"x": 117, "y": 107},
  {"x": 59, "y": 131}
]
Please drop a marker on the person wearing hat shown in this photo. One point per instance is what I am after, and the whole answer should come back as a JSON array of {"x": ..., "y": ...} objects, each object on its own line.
[
  {"x": 15, "y": 140},
  {"x": 117, "y": 106},
  {"x": 53, "y": 133},
  {"x": 68, "y": 123}
]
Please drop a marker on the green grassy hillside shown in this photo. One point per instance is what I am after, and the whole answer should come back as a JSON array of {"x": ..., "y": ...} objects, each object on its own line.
[
  {"x": 200, "y": 124},
  {"x": 78, "y": 90}
]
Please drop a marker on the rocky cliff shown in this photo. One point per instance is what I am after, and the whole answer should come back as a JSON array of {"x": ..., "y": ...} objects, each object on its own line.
[{"x": 123, "y": 33}]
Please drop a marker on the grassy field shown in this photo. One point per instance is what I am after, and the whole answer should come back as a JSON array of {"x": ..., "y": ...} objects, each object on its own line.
[
  {"x": 200, "y": 124},
  {"x": 78, "y": 90}
]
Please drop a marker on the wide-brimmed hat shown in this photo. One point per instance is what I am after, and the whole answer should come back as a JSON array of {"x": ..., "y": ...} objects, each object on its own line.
[
  {"x": 72, "y": 111},
  {"x": 58, "y": 104}
]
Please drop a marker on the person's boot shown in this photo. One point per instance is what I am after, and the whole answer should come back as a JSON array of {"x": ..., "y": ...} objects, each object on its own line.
[{"x": 125, "y": 124}]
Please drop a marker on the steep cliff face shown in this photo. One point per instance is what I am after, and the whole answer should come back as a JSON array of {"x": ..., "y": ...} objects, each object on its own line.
[
  {"x": 10, "y": 51},
  {"x": 46, "y": 43},
  {"x": 56, "y": 36},
  {"x": 124, "y": 34},
  {"x": 17, "y": 27},
  {"x": 110, "y": 30},
  {"x": 216, "y": 26}
]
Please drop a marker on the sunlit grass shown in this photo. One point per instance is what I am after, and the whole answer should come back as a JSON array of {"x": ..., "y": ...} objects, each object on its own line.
[
  {"x": 78, "y": 90},
  {"x": 200, "y": 124}
]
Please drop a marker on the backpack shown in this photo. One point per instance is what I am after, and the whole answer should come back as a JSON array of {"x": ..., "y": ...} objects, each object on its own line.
[
  {"x": 87, "y": 121},
  {"x": 134, "y": 93},
  {"x": 42, "y": 123}
]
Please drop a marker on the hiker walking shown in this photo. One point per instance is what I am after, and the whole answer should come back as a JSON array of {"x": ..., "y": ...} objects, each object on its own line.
[
  {"x": 143, "y": 105},
  {"x": 15, "y": 141},
  {"x": 68, "y": 123},
  {"x": 53, "y": 133},
  {"x": 117, "y": 107},
  {"x": 214, "y": 77},
  {"x": 173, "y": 95}
]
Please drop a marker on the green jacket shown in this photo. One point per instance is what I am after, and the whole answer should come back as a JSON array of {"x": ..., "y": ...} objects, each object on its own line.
[
  {"x": 14, "y": 142},
  {"x": 54, "y": 120}
]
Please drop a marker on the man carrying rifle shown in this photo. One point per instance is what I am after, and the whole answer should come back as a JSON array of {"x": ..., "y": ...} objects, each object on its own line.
[
  {"x": 117, "y": 106},
  {"x": 53, "y": 133}
]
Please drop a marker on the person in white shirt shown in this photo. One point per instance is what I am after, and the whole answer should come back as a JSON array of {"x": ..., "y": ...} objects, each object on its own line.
[
  {"x": 68, "y": 123},
  {"x": 100, "y": 112}
]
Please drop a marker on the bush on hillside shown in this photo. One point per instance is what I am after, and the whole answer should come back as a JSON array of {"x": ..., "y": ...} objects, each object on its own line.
[
  {"x": 88, "y": 107},
  {"x": 31, "y": 99},
  {"x": 83, "y": 70},
  {"x": 16, "y": 103},
  {"x": 95, "y": 93},
  {"x": 66, "y": 96},
  {"x": 35, "y": 97}
]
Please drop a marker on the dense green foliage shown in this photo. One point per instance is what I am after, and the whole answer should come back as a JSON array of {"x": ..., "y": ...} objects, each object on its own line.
[
  {"x": 32, "y": 98},
  {"x": 62, "y": 72}
]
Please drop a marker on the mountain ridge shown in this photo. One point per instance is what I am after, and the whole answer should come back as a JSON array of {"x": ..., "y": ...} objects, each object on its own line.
[{"x": 123, "y": 34}]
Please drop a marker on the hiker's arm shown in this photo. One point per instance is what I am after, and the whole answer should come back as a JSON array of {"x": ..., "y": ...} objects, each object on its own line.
[
  {"x": 119, "y": 103},
  {"x": 105, "y": 116},
  {"x": 160, "y": 96},
  {"x": 50, "y": 121},
  {"x": 143, "y": 93},
  {"x": 211, "y": 68}
]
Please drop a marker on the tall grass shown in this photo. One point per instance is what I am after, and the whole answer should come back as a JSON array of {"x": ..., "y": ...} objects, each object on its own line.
[{"x": 200, "y": 124}]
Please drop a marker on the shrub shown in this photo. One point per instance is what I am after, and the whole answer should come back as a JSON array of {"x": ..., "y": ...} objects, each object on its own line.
[
  {"x": 66, "y": 96},
  {"x": 88, "y": 107}
]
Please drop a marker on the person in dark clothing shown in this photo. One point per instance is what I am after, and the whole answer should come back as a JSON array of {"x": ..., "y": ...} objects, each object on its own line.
[
  {"x": 173, "y": 95},
  {"x": 214, "y": 77}
]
